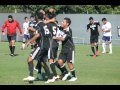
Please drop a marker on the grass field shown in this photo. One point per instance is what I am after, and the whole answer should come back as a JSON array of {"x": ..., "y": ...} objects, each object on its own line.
[{"x": 103, "y": 70}]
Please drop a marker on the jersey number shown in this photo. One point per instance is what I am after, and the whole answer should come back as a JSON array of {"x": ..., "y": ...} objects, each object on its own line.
[
  {"x": 54, "y": 30},
  {"x": 46, "y": 30}
]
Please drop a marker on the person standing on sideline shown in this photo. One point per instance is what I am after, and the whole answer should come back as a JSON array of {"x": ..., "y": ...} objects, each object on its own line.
[
  {"x": 93, "y": 27},
  {"x": 26, "y": 32},
  {"x": 107, "y": 36},
  {"x": 11, "y": 25}
]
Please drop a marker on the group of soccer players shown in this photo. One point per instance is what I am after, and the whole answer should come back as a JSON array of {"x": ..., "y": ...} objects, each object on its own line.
[
  {"x": 46, "y": 38},
  {"x": 44, "y": 34},
  {"x": 95, "y": 27}
]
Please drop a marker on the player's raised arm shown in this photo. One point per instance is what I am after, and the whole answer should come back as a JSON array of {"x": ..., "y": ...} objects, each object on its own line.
[
  {"x": 59, "y": 38},
  {"x": 51, "y": 20}
]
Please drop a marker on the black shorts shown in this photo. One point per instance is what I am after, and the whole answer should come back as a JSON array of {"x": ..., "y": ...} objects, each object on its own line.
[
  {"x": 67, "y": 55},
  {"x": 34, "y": 53},
  {"x": 52, "y": 53},
  {"x": 39, "y": 54},
  {"x": 11, "y": 37},
  {"x": 94, "y": 38},
  {"x": 42, "y": 54}
]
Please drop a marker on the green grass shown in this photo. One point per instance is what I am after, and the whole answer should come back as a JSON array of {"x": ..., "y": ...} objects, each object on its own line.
[{"x": 103, "y": 70}]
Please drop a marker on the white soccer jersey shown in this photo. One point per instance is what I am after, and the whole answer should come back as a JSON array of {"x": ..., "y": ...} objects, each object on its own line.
[
  {"x": 107, "y": 26},
  {"x": 25, "y": 26},
  {"x": 59, "y": 34}
]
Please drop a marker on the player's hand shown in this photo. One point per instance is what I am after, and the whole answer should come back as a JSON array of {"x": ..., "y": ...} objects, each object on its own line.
[
  {"x": 103, "y": 30},
  {"x": 3, "y": 33},
  {"x": 46, "y": 22},
  {"x": 54, "y": 37},
  {"x": 88, "y": 30},
  {"x": 21, "y": 34}
]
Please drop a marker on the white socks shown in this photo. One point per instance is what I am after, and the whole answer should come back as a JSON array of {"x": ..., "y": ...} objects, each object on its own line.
[
  {"x": 104, "y": 47},
  {"x": 110, "y": 47},
  {"x": 23, "y": 45}
]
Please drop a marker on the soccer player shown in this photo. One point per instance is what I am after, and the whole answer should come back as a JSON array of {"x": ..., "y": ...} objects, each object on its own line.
[
  {"x": 11, "y": 25},
  {"x": 31, "y": 29},
  {"x": 26, "y": 32},
  {"x": 67, "y": 52},
  {"x": 93, "y": 27},
  {"x": 107, "y": 36},
  {"x": 41, "y": 50},
  {"x": 52, "y": 53}
]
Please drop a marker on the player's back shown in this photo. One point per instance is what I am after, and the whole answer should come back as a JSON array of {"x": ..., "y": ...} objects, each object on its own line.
[
  {"x": 44, "y": 35},
  {"x": 53, "y": 31}
]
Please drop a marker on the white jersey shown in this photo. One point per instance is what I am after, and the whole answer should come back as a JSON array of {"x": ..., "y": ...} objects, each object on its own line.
[
  {"x": 107, "y": 26},
  {"x": 25, "y": 28},
  {"x": 59, "y": 34}
]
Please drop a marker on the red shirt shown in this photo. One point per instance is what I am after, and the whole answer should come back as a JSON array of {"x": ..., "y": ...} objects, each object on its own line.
[{"x": 11, "y": 27}]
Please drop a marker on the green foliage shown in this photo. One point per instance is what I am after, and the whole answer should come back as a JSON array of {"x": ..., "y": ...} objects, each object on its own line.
[{"x": 90, "y": 9}]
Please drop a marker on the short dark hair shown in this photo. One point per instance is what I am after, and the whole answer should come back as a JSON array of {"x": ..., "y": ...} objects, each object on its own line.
[
  {"x": 31, "y": 16},
  {"x": 50, "y": 15},
  {"x": 25, "y": 18},
  {"x": 10, "y": 16},
  {"x": 68, "y": 20},
  {"x": 104, "y": 19},
  {"x": 91, "y": 18},
  {"x": 40, "y": 15}
]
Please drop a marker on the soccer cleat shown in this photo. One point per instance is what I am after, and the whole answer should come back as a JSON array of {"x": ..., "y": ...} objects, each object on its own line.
[
  {"x": 94, "y": 56},
  {"x": 29, "y": 78},
  {"x": 50, "y": 80},
  {"x": 66, "y": 76},
  {"x": 56, "y": 77},
  {"x": 73, "y": 79},
  {"x": 110, "y": 52},
  {"x": 12, "y": 55},
  {"x": 103, "y": 52},
  {"x": 35, "y": 69}
]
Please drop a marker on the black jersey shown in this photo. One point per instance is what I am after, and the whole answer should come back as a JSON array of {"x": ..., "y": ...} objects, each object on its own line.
[
  {"x": 32, "y": 24},
  {"x": 44, "y": 35},
  {"x": 53, "y": 31},
  {"x": 93, "y": 28},
  {"x": 68, "y": 42}
]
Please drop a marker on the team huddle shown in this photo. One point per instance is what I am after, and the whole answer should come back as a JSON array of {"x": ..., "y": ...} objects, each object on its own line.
[
  {"x": 46, "y": 38},
  {"x": 44, "y": 35}
]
